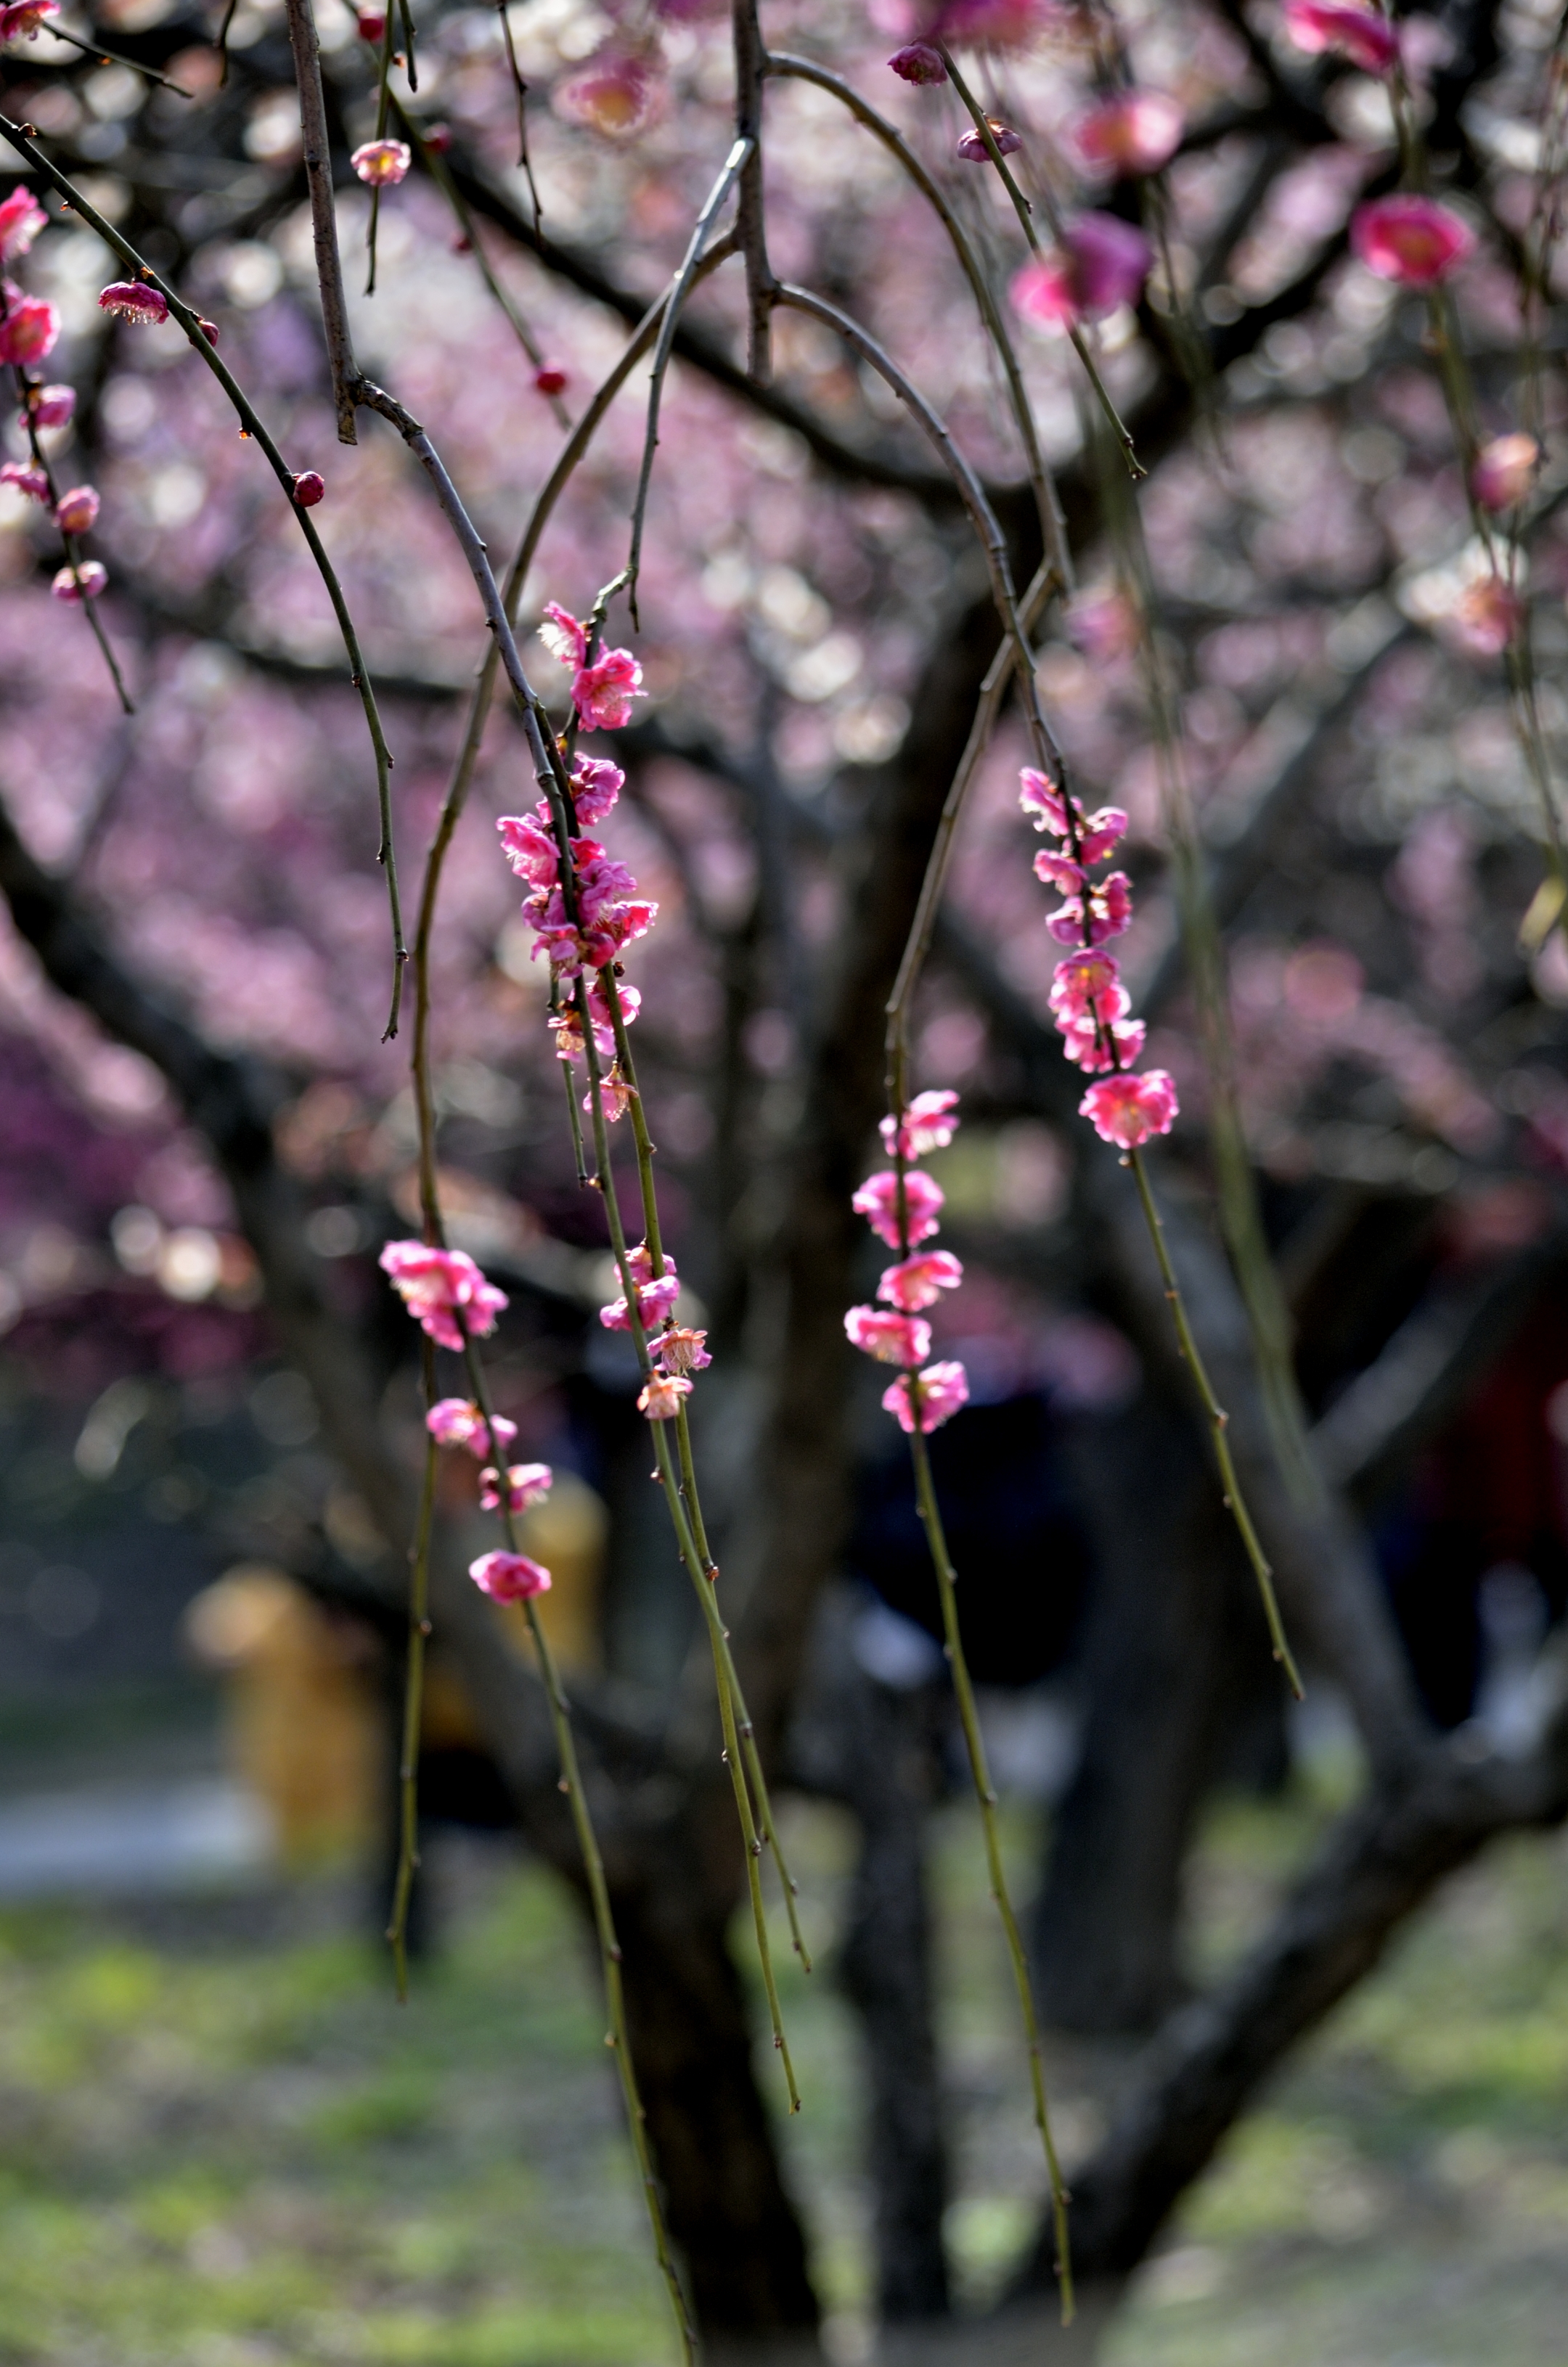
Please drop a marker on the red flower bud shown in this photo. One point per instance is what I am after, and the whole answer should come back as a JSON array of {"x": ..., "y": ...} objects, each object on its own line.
[
  {"x": 550, "y": 377},
  {"x": 309, "y": 487}
]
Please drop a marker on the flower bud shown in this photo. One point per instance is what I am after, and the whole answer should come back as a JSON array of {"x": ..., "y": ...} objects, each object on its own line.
[
  {"x": 550, "y": 377},
  {"x": 918, "y": 62},
  {"x": 309, "y": 487},
  {"x": 132, "y": 299},
  {"x": 1505, "y": 470},
  {"x": 77, "y": 511},
  {"x": 975, "y": 150},
  {"x": 84, "y": 583}
]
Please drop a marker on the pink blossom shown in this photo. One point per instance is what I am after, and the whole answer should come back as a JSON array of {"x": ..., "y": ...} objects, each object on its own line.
[
  {"x": 49, "y": 406},
  {"x": 1097, "y": 832},
  {"x": 877, "y": 1201},
  {"x": 681, "y": 1350},
  {"x": 562, "y": 636},
  {"x": 943, "y": 1390},
  {"x": 595, "y": 784},
  {"x": 1100, "y": 266},
  {"x": 1137, "y": 131},
  {"x": 77, "y": 511},
  {"x": 1409, "y": 238},
  {"x": 1127, "y": 1110},
  {"x": 27, "y": 477},
  {"x": 616, "y": 1096},
  {"x": 892, "y": 1339},
  {"x": 458, "y": 1421},
  {"x": 550, "y": 377},
  {"x": 1360, "y": 34},
  {"x": 1504, "y": 471},
  {"x": 132, "y": 299},
  {"x": 613, "y": 93},
  {"x": 662, "y": 1397},
  {"x": 929, "y": 1123},
  {"x": 1486, "y": 616},
  {"x": 917, "y": 1281},
  {"x": 527, "y": 1483},
  {"x": 83, "y": 583},
  {"x": 603, "y": 693},
  {"x": 528, "y": 843},
  {"x": 568, "y": 1026},
  {"x": 1113, "y": 1045},
  {"x": 21, "y": 219},
  {"x": 25, "y": 19},
  {"x": 309, "y": 487},
  {"x": 508, "y": 1577},
  {"x": 1103, "y": 912},
  {"x": 1088, "y": 987},
  {"x": 1059, "y": 871},
  {"x": 436, "y": 1285},
  {"x": 973, "y": 148},
  {"x": 918, "y": 62},
  {"x": 381, "y": 163},
  {"x": 656, "y": 1294},
  {"x": 29, "y": 330}
]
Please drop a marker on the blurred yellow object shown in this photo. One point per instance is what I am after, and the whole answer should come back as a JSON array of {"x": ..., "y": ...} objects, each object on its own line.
[
  {"x": 303, "y": 1726},
  {"x": 567, "y": 1533}
]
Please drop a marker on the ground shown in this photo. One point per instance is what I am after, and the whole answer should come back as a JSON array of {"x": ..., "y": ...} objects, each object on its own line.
[{"x": 226, "y": 2145}]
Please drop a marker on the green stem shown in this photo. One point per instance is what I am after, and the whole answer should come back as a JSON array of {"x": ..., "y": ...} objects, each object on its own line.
[{"x": 984, "y": 1792}]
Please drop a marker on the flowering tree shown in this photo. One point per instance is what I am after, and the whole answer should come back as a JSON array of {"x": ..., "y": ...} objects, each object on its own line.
[{"x": 1150, "y": 399}]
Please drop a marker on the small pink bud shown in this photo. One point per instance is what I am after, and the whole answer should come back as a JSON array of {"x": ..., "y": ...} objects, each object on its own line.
[
  {"x": 209, "y": 330},
  {"x": 77, "y": 511},
  {"x": 84, "y": 583},
  {"x": 1505, "y": 470},
  {"x": 309, "y": 487},
  {"x": 49, "y": 406},
  {"x": 132, "y": 299},
  {"x": 439, "y": 137},
  {"x": 381, "y": 163},
  {"x": 550, "y": 377},
  {"x": 918, "y": 62},
  {"x": 975, "y": 150}
]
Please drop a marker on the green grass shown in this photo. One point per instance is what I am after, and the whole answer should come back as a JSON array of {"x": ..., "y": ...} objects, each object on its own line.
[{"x": 222, "y": 2153}]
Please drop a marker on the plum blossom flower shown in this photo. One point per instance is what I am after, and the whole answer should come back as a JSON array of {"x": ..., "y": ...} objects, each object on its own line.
[
  {"x": 595, "y": 784},
  {"x": 83, "y": 583},
  {"x": 612, "y": 93},
  {"x": 49, "y": 406},
  {"x": 567, "y": 1026},
  {"x": 662, "y": 1395},
  {"x": 1411, "y": 239},
  {"x": 877, "y": 1201},
  {"x": 437, "y": 1285},
  {"x": 132, "y": 299},
  {"x": 1101, "y": 265},
  {"x": 603, "y": 693},
  {"x": 918, "y": 62},
  {"x": 893, "y": 1339},
  {"x": 1127, "y": 1110},
  {"x": 527, "y": 1483},
  {"x": 973, "y": 147},
  {"x": 1112, "y": 1044},
  {"x": 29, "y": 330},
  {"x": 943, "y": 1388},
  {"x": 21, "y": 219},
  {"x": 509, "y": 1577},
  {"x": 681, "y": 1350},
  {"x": 78, "y": 510},
  {"x": 1087, "y": 986},
  {"x": 1361, "y": 34},
  {"x": 1103, "y": 912},
  {"x": 1136, "y": 131},
  {"x": 381, "y": 163},
  {"x": 27, "y": 477},
  {"x": 458, "y": 1421},
  {"x": 916, "y": 1281},
  {"x": 1504, "y": 471},
  {"x": 309, "y": 487},
  {"x": 656, "y": 1294},
  {"x": 24, "y": 20},
  {"x": 1098, "y": 833},
  {"x": 929, "y": 1123}
]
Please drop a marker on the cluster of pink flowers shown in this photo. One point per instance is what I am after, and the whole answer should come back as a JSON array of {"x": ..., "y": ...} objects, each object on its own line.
[
  {"x": 29, "y": 326},
  {"x": 602, "y": 692},
  {"x": 675, "y": 1350},
  {"x": 609, "y": 912},
  {"x": 901, "y": 1204},
  {"x": 443, "y": 1290},
  {"x": 1087, "y": 998}
]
